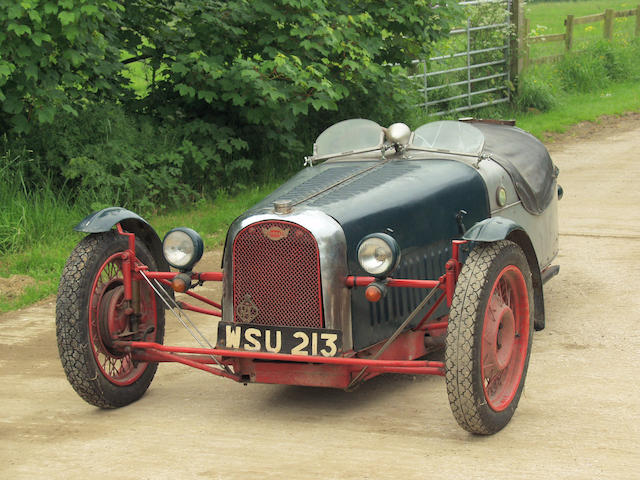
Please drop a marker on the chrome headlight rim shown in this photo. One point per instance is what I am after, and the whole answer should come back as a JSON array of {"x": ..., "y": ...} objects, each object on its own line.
[
  {"x": 185, "y": 241},
  {"x": 378, "y": 254}
]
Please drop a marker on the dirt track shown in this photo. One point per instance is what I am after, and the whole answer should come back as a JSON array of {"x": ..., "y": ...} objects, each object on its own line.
[{"x": 578, "y": 418}]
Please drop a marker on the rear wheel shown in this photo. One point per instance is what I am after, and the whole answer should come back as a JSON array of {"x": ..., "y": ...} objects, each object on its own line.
[
  {"x": 489, "y": 337},
  {"x": 91, "y": 313}
]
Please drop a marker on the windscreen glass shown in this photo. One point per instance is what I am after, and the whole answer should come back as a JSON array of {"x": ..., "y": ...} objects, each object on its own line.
[
  {"x": 356, "y": 134},
  {"x": 451, "y": 136}
]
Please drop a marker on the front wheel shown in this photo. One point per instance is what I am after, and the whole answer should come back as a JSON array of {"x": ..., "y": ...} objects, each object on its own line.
[
  {"x": 92, "y": 313},
  {"x": 489, "y": 337}
]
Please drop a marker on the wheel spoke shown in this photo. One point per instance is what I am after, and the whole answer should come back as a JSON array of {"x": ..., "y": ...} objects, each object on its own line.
[
  {"x": 497, "y": 301},
  {"x": 126, "y": 365},
  {"x": 105, "y": 361},
  {"x": 494, "y": 382},
  {"x": 490, "y": 370},
  {"x": 503, "y": 292}
]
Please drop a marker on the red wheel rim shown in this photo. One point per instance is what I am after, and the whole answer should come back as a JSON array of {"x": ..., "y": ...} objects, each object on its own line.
[
  {"x": 107, "y": 319},
  {"x": 505, "y": 338}
]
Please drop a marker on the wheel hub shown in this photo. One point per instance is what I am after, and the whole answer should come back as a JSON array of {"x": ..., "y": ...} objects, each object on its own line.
[
  {"x": 112, "y": 319},
  {"x": 505, "y": 336}
]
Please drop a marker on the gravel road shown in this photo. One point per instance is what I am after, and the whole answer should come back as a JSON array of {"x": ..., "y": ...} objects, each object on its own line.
[{"x": 578, "y": 417}]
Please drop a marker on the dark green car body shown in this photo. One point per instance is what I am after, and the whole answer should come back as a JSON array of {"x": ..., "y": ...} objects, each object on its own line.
[{"x": 415, "y": 201}]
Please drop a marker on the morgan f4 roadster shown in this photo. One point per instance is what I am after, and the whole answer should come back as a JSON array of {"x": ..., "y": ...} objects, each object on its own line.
[{"x": 391, "y": 244}]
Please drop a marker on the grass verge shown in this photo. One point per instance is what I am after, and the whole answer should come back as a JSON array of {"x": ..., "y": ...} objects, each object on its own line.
[{"x": 616, "y": 99}]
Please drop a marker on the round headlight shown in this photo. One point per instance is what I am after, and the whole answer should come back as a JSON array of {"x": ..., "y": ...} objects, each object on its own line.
[
  {"x": 182, "y": 247},
  {"x": 378, "y": 254}
]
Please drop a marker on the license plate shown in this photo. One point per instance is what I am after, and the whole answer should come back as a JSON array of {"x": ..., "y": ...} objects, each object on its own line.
[{"x": 288, "y": 340}]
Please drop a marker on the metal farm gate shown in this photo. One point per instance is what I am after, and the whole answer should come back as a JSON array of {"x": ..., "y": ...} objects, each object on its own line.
[{"x": 472, "y": 68}]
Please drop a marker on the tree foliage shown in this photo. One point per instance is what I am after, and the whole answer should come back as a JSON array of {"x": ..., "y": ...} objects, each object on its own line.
[
  {"x": 55, "y": 56},
  {"x": 244, "y": 82}
]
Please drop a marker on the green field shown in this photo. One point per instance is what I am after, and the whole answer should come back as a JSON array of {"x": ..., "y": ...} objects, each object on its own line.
[{"x": 548, "y": 18}]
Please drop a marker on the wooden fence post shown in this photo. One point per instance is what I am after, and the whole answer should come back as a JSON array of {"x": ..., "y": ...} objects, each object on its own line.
[
  {"x": 608, "y": 23},
  {"x": 518, "y": 39},
  {"x": 525, "y": 46},
  {"x": 568, "y": 41},
  {"x": 638, "y": 20}
]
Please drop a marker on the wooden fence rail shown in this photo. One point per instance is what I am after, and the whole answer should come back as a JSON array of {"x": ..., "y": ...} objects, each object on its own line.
[{"x": 567, "y": 37}]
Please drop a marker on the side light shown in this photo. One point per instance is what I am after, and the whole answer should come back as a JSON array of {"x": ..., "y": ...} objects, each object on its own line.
[
  {"x": 375, "y": 291},
  {"x": 501, "y": 196},
  {"x": 181, "y": 282},
  {"x": 378, "y": 254},
  {"x": 182, "y": 248}
]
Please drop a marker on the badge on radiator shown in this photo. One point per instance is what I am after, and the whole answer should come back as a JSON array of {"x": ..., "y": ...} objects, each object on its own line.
[
  {"x": 247, "y": 311},
  {"x": 275, "y": 233}
]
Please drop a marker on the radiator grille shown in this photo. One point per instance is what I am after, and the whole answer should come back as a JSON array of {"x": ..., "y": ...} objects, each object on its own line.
[{"x": 276, "y": 271}]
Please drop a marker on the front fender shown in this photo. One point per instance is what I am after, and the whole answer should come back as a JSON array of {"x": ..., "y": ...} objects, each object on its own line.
[
  {"x": 499, "y": 228},
  {"x": 105, "y": 219},
  {"x": 491, "y": 230}
]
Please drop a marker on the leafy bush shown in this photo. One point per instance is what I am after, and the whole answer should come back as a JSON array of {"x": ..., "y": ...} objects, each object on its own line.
[
  {"x": 55, "y": 56},
  {"x": 105, "y": 157},
  {"x": 582, "y": 73},
  {"x": 620, "y": 60},
  {"x": 534, "y": 92},
  {"x": 601, "y": 63}
]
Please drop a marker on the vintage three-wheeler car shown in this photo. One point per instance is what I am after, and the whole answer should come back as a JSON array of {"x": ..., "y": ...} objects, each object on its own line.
[{"x": 390, "y": 244}]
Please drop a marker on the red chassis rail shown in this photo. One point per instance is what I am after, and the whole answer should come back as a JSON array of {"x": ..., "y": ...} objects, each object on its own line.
[
  {"x": 298, "y": 369},
  {"x": 264, "y": 367}
]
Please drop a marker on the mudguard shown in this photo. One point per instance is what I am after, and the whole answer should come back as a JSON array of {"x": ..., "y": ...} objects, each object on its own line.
[
  {"x": 105, "y": 219},
  {"x": 499, "y": 228},
  {"x": 491, "y": 230}
]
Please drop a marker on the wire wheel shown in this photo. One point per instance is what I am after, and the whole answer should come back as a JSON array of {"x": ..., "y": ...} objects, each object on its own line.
[
  {"x": 505, "y": 338},
  {"x": 91, "y": 314},
  {"x": 108, "y": 322},
  {"x": 489, "y": 337}
]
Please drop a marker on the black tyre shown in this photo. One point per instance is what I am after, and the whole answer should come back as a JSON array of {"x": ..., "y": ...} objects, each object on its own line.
[
  {"x": 90, "y": 313},
  {"x": 489, "y": 337}
]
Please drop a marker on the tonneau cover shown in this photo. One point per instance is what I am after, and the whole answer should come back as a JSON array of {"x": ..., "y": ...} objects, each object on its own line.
[{"x": 526, "y": 160}]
